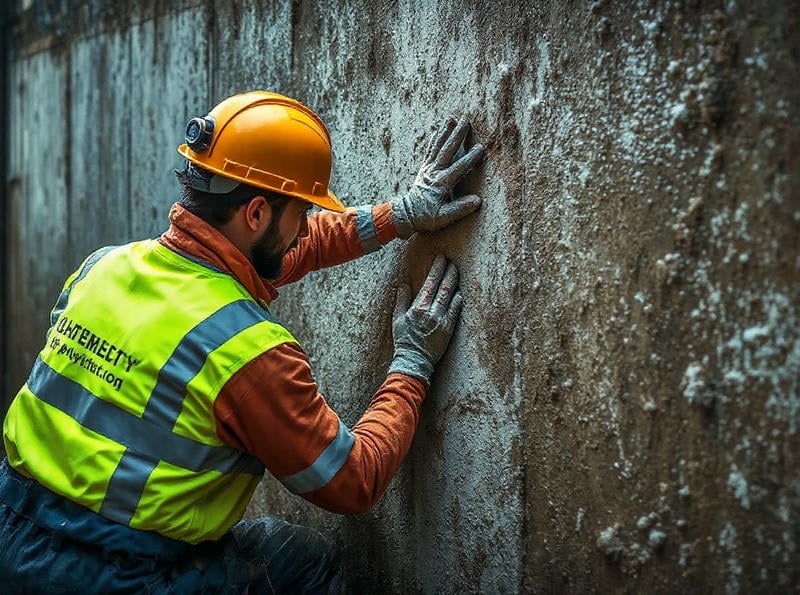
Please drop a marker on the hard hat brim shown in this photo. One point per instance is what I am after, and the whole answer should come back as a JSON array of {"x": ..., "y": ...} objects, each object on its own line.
[{"x": 226, "y": 181}]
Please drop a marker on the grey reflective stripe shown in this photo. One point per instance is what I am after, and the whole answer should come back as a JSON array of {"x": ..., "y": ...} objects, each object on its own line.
[
  {"x": 61, "y": 302},
  {"x": 325, "y": 467},
  {"x": 166, "y": 401},
  {"x": 125, "y": 428},
  {"x": 126, "y": 479},
  {"x": 366, "y": 229}
]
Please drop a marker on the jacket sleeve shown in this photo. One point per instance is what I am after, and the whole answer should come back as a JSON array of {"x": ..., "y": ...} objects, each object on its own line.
[
  {"x": 335, "y": 238},
  {"x": 272, "y": 409}
]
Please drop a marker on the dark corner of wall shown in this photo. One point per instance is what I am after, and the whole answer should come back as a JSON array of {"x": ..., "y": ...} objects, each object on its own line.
[{"x": 7, "y": 12}]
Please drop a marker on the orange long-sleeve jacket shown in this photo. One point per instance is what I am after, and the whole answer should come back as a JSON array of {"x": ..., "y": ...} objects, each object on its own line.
[{"x": 271, "y": 408}]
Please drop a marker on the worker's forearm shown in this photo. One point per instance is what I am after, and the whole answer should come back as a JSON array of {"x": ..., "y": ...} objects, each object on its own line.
[
  {"x": 383, "y": 436},
  {"x": 272, "y": 409},
  {"x": 335, "y": 238}
]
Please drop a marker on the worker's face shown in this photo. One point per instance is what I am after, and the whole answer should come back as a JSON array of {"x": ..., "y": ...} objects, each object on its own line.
[{"x": 281, "y": 235}]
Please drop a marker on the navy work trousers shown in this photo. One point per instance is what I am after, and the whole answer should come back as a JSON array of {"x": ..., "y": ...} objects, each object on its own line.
[{"x": 51, "y": 545}]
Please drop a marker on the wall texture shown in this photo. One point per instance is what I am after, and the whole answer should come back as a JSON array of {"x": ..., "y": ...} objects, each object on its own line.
[{"x": 619, "y": 408}]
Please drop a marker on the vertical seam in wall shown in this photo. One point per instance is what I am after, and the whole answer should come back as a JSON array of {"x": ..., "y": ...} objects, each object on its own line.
[
  {"x": 68, "y": 148},
  {"x": 211, "y": 58},
  {"x": 5, "y": 17},
  {"x": 292, "y": 16},
  {"x": 129, "y": 201}
]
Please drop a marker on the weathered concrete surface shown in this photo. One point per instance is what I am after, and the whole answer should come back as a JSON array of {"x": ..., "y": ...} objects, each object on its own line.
[{"x": 619, "y": 408}]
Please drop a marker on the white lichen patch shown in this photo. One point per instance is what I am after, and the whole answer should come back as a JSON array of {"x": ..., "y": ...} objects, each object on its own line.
[
  {"x": 766, "y": 353},
  {"x": 694, "y": 387},
  {"x": 646, "y": 521},
  {"x": 656, "y": 538},
  {"x": 579, "y": 519},
  {"x": 738, "y": 485},
  {"x": 727, "y": 541}
]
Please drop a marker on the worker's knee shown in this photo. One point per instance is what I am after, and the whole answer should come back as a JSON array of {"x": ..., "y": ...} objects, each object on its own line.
[{"x": 286, "y": 557}]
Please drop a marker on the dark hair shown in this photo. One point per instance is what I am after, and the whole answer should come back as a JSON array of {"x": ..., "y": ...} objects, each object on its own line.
[{"x": 218, "y": 209}]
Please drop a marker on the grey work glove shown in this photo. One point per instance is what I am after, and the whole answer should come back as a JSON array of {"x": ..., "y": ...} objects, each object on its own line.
[
  {"x": 430, "y": 204},
  {"x": 422, "y": 330}
]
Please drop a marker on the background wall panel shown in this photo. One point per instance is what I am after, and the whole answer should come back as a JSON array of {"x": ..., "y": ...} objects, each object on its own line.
[
  {"x": 102, "y": 127},
  {"x": 169, "y": 83},
  {"x": 251, "y": 47},
  {"x": 38, "y": 195}
]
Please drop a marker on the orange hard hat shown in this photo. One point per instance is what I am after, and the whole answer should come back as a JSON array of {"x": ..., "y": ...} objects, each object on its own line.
[{"x": 266, "y": 140}]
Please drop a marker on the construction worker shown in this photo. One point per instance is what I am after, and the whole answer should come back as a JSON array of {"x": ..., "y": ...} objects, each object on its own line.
[{"x": 166, "y": 386}]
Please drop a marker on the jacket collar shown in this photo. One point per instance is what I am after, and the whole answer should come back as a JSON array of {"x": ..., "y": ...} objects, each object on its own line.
[{"x": 191, "y": 235}]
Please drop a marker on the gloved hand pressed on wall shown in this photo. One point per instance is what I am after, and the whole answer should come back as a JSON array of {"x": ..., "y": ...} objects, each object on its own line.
[
  {"x": 430, "y": 204},
  {"x": 422, "y": 329}
]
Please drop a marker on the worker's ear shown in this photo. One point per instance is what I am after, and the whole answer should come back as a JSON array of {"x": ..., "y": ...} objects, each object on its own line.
[{"x": 258, "y": 214}]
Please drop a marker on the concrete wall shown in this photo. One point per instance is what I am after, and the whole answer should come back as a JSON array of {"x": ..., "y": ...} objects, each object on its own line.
[{"x": 619, "y": 409}]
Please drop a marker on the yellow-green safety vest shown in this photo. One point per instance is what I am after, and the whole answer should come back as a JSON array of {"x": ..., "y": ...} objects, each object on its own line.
[{"x": 117, "y": 413}]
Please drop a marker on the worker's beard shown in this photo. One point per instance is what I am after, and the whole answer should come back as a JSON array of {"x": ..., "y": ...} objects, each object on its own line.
[{"x": 268, "y": 253}]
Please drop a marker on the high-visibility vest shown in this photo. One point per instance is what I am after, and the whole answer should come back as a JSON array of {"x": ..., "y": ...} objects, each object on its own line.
[{"x": 117, "y": 413}]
